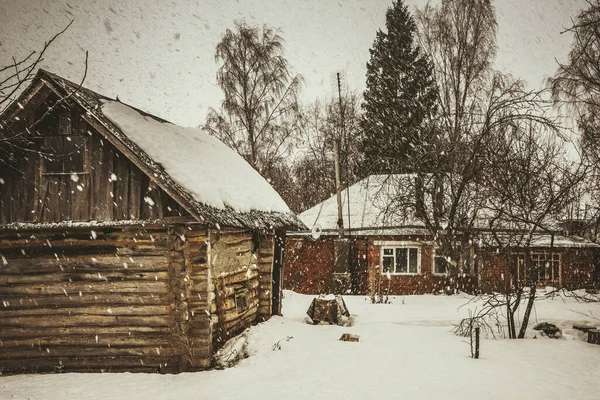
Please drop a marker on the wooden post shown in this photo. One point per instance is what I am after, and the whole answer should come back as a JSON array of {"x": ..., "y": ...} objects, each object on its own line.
[{"x": 477, "y": 342}]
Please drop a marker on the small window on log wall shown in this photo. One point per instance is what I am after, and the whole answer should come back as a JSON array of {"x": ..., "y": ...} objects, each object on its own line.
[
  {"x": 64, "y": 153},
  {"x": 241, "y": 300}
]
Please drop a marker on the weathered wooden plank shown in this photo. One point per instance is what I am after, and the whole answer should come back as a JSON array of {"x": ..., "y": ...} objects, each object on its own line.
[
  {"x": 95, "y": 363},
  {"x": 32, "y": 332},
  {"x": 135, "y": 192},
  {"x": 100, "y": 339},
  {"x": 238, "y": 276},
  {"x": 107, "y": 276},
  {"x": 73, "y": 288},
  {"x": 84, "y": 264},
  {"x": 264, "y": 309},
  {"x": 104, "y": 173},
  {"x": 231, "y": 315},
  {"x": 51, "y": 211},
  {"x": 241, "y": 323},
  {"x": 114, "y": 299},
  {"x": 230, "y": 290},
  {"x": 90, "y": 310},
  {"x": 83, "y": 351},
  {"x": 84, "y": 320},
  {"x": 63, "y": 202}
]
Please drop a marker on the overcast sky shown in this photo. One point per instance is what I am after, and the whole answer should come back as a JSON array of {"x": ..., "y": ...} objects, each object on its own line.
[{"x": 159, "y": 55}]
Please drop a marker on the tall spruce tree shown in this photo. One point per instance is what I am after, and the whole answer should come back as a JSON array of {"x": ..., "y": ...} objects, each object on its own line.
[{"x": 400, "y": 97}]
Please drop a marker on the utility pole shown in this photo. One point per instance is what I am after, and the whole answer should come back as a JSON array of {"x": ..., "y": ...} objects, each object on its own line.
[
  {"x": 336, "y": 160},
  {"x": 338, "y": 185}
]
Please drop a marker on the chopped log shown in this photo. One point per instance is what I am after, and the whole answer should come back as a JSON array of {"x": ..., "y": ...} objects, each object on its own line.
[
  {"x": 348, "y": 337},
  {"x": 584, "y": 327}
]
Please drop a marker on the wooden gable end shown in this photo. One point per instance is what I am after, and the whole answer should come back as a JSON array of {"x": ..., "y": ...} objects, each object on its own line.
[{"x": 70, "y": 172}]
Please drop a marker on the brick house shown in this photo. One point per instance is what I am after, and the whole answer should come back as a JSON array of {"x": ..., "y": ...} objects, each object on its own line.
[{"x": 387, "y": 254}]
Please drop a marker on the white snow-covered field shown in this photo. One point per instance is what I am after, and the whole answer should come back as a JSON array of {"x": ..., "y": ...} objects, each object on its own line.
[{"x": 405, "y": 351}]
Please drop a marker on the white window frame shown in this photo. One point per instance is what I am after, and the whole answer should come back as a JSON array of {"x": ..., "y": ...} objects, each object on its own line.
[
  {"x": 393, "y": 246},
  {"x": 555, "y": 260}
]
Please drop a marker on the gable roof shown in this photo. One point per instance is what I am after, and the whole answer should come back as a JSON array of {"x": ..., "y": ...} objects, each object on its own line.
[
  {"x": 368, "y": 201},
  {"x": 211, "y": 181},
  {"x": 372, "y": 213}
]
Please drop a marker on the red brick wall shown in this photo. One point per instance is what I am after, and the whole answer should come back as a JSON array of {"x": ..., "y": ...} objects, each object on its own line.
[
  {"x": 493, "y": 271},
  {"x": 423, "y": 283},
  {"x": 577, "y": 269},
  {"x": 308, "y": 265},
  {"x": 309, "y": 269}
]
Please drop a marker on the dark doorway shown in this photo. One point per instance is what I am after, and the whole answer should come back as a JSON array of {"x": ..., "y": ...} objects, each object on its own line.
[{"x": 278, "y": 259}]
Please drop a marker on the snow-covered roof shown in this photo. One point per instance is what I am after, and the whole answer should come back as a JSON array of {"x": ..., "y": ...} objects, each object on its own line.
[
  {"x": 213, "y": 173},
  {"x": 369, "y": 200},
  {"x": 373, "y": 212},
  {"x": 538, "y": 240},
  {"x": 214, "y": 183}
]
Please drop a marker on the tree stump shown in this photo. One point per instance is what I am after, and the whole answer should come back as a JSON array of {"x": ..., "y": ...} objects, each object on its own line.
[{"x": 329, "y": 309}]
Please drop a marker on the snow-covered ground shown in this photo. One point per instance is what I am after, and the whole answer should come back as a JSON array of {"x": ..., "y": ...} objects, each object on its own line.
[{"x": 406, "y": 350}]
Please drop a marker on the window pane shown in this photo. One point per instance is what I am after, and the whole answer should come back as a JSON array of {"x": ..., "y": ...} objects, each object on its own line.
[
  {"x": 388, "y": 252},
  {"x": 401, "y": 260},
  {"x": 440, "y": 265},
  {"x": 53, "y": 149},
  {"x": 74, "y": 150},
  {"x": 412, "y": 261},
  {"x": 387, "y": 264}
]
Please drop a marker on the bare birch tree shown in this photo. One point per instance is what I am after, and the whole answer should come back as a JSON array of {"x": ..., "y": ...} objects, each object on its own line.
[
  {"x": 259, "y": 115},
  {"x": 322, "y": 123},
  {"x": 447, "y": 194},
  {"x": 576, "y": 85},
  {"x": 529, "y": 188}
]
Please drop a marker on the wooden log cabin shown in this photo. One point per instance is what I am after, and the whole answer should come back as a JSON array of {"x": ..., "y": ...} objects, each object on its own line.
[{"x": 127, "y": 243}]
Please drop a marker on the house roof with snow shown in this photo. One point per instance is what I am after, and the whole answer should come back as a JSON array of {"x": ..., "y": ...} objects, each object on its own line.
[
  {"x": 366, "y": 209},
  {"x": 211, "y": 181},
  {"x": 369, "y": 209}
]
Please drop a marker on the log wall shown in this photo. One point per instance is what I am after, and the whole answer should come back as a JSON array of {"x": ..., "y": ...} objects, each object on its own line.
[
  {"x": 241, "y": 265},
  {"x": 126, "y": 299}
]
